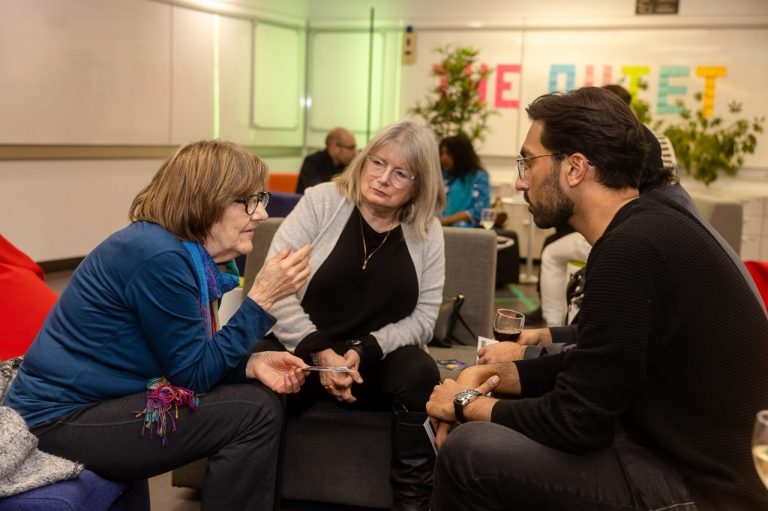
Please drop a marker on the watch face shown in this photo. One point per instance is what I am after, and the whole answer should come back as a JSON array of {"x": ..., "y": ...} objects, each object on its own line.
[
  {"x": 465, "y": 396},
  {"x": 354, "y": 342}
]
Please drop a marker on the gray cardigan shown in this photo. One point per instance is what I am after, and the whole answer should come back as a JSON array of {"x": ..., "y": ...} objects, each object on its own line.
[
  {"x": 22, "y": 466},
  {"x": 319, "y": 218}
]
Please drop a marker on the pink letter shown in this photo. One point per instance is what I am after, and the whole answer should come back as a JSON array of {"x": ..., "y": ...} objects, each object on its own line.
[
  {"x": 589, "y": 75},
  {"x": 503, "y": 85}
]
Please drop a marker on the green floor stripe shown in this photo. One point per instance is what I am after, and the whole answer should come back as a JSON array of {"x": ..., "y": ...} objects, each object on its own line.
[{"x": 520, "y": 296}]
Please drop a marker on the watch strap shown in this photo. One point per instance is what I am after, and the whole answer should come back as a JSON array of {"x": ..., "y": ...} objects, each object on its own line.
[
  {"x": 462, "y": 399},
  {"x": 355, "y": 345},
  {"x": 458, "y": 410}
]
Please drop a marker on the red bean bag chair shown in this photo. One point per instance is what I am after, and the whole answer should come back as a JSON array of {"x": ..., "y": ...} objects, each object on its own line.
[
  {"x": 759, "y": 272},
  {"x": 24, "y": 300}
]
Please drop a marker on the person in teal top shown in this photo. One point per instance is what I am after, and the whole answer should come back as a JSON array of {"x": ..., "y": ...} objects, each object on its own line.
[{"x": 467, "y": 188}]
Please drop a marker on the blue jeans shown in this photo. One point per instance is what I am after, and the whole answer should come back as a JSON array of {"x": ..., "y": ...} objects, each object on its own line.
[{"x": 488, "y": 466}]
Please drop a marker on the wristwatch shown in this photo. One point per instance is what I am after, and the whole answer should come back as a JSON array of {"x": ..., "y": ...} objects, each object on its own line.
[
  {"x": 356, "y": 345},
  {"x": 462, "y": 399}
]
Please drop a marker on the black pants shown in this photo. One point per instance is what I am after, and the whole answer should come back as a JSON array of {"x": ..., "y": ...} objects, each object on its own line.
[
  {"x": 237, "y": 427},
  {"x": 490, "y": 467},
  {"x": 403, "y": 380}
]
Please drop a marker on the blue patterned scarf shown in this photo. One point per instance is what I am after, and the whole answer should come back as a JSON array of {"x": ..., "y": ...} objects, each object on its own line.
[
  {"x": 163, "y": 399},
  {"x": 213, "y": 284}
]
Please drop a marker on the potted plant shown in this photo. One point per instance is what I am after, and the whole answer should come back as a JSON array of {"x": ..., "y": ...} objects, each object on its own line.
[
  {"x": 706, "y": 146},
  {"x": 455, "y": 106}
]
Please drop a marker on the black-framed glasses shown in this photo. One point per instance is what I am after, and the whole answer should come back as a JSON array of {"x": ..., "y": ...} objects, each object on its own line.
[
  {"x": 399, "y": 178},
  {"x": 522, "y": 164},
  {"x": 252, "y": 201}
]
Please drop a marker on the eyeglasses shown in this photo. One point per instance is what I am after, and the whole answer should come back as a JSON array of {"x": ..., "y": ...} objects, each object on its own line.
[
  {"x": 399, "y": 177},
  {"x": 252, "y": 201},
  {"x": 522, "y": 164}
]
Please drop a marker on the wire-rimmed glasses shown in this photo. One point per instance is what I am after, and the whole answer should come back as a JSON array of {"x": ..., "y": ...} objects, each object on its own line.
[
  {"x": 400, "y": 178},
  {"x": 522, "y": 164},
  {"x": 252, "y": 201}
]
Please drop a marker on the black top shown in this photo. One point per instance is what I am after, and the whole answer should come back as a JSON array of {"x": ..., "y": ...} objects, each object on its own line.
[
  {"x": 346, "y": 302},
  {"x": 672, "y": 347},
  {"x": 317, "y": 168}
]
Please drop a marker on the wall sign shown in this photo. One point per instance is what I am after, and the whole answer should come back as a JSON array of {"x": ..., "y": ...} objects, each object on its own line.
[{"x": 657, "y": 6}]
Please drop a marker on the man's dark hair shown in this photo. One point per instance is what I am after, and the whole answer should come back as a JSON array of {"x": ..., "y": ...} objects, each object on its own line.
[
  {"x": 620, "y": 91},
  {"x": 465, "y": 159},
  {"x": 654, "y": 174},
  {"x": 596, "y": 123}
]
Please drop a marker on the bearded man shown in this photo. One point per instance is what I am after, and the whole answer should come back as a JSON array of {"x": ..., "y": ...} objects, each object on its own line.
[{"x": 653, "y": 409}]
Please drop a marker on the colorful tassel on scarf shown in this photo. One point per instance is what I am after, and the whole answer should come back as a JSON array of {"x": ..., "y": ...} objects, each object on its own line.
[{"x": 163, "y": 402}]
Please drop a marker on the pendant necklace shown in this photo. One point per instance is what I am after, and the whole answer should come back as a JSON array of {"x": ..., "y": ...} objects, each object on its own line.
[{"x": 366, "y": 255}]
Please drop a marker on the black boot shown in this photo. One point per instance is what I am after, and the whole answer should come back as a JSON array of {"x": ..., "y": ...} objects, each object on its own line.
[{"x": 413, "y": 462}]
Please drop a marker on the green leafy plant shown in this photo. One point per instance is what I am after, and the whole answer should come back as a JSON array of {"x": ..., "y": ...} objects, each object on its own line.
[
  {"x": 706, "y": 146},
  {"x": 455, "y": 106},
  {"x": 642, "y": 110},
  {"x": 641, "y": 107}
]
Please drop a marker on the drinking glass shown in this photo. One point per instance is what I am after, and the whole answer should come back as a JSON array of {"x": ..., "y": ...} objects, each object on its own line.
[
  {"x": 488, "y": 218},
  {"x": 760, "y": 445},
  {"x": 508, "y": 324}
]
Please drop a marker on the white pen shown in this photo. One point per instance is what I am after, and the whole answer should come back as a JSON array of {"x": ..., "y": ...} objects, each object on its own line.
[{"x": 329, "y": 369}]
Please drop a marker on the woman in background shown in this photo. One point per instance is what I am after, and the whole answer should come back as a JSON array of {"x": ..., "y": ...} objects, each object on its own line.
[
  {"x": 378, "y": 269},
  {"x": 137, "y": 329},
  {"x": 467, "y": 188}
]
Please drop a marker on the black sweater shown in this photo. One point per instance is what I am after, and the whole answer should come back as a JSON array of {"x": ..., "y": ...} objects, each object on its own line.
[{"x": 672, "y": 348}]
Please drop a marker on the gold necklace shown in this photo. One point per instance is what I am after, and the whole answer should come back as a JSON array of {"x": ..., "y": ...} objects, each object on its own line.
[{"x": 366, "y": 255}]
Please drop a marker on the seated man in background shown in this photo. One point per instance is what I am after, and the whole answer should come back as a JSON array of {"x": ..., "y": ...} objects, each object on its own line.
[
  {"x": 618, "y": 424},
  {"x": 321, "y": 166}
]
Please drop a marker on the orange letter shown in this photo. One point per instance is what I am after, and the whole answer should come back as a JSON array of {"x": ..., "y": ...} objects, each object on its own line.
[{"x": 710, "y": 74}]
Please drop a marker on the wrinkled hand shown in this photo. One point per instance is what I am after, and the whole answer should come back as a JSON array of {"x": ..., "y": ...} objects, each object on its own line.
[
  {"x": 282, "y": 275},
  {"x": 505, "y": 351},
  {"x": 339, "y": 385},
  {"x": 535, "y": 336},
  {"x": 278, "y": 370}
]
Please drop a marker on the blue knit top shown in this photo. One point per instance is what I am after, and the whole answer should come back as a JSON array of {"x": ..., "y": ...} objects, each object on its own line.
[{"x": 131, "y": 312}]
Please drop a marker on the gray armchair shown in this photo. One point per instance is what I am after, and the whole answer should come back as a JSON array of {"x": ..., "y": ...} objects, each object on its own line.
[{"x": 325, "y": 430}]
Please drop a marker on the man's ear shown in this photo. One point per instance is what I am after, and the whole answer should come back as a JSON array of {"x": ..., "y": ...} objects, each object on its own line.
[{"x": 578, "y": 168}]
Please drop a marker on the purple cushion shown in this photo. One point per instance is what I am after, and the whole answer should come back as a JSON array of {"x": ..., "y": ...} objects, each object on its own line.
[
  {"x": 282, "y": 203},
  {"x": 88, "y": 491}
]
